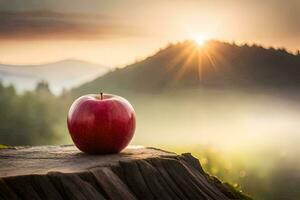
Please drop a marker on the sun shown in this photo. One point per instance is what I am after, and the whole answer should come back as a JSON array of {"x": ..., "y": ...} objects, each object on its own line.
[{"x": 200, "y": 40}]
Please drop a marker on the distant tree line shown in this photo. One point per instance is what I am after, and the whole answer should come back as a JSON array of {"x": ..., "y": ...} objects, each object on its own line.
[{"x": 33, "y": 117}]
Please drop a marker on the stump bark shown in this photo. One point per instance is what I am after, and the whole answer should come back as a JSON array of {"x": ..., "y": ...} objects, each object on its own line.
[{"x": 63, "y": 172}]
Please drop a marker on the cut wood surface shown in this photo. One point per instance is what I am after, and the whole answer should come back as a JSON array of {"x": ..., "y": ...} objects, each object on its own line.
[{"x": 63, "y": 172}]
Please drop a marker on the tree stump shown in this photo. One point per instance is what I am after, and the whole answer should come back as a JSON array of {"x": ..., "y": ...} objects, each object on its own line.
[{"x": 63, "y": 172}]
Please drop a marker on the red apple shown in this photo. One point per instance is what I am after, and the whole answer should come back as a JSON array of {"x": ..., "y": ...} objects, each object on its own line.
[{"x": 100, "y": 124}]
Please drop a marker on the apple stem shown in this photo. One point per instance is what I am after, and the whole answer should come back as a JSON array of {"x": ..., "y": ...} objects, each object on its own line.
[{"x": 101, "y": 95}]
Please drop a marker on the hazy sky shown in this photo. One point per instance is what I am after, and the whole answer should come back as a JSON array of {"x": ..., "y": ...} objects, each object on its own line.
[{"x": 115, "y": 32}]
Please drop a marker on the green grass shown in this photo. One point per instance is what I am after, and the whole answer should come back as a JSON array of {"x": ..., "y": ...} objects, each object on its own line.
[
  {"x": 236, "y": 190},
  {"x": 2, "y": 146}
]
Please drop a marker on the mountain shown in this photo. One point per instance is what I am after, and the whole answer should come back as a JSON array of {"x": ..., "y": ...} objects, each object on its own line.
[
  {"x": 59, "y": 75},
  {"x": 216, "y": 64}
]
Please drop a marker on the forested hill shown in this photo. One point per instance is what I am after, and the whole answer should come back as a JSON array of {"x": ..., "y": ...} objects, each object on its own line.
[{"x": 215, "y": 64}]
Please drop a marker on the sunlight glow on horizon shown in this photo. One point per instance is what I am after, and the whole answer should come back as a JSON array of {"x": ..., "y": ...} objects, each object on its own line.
[
  {"x": 199, "y": 56},
  {"x": 201, "y": 40}
]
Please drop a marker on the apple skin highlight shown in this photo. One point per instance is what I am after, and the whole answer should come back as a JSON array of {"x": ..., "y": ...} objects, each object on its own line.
[{"x": 101, "y": 124}]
